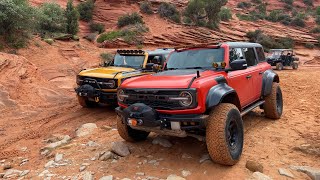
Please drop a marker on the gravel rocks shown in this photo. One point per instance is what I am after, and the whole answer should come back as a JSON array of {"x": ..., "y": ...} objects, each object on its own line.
[
  {"x": 162, "y": 142},
  {"x": 120, "y": 148},
  {"x": 86, "y": 129},
  {"x": 254, "y": 166}
]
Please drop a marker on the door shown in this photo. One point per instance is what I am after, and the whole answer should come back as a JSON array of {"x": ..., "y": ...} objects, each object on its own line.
[
  {"x": 255, "y": 73},
  {"x": 262, "y": 66},
  {"x": 241, "y": 80}
]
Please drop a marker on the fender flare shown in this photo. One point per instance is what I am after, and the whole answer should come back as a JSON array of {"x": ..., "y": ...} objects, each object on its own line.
[
  {"x": 269, "y": 77},
  {"x": 217, "y": 93}
]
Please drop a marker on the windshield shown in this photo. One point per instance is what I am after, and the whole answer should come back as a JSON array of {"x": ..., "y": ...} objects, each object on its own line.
[
  {"x": 274, "y": 54},
  {"x": 195, "y": 59},
  {"x": 128, "y": 61}
]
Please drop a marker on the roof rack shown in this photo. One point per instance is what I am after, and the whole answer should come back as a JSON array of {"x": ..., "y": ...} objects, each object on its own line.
[
  {"x": 133, "y": 52},
  {"x": 205, "y": 45}
]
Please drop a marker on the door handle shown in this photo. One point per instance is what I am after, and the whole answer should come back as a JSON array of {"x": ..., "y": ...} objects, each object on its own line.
[
  {"x": 260, "y": 72},
  {"x": 249, "y": 76}
]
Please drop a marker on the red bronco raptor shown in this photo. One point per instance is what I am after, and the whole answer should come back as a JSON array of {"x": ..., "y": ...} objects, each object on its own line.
[{"x": 203, "y": 92}]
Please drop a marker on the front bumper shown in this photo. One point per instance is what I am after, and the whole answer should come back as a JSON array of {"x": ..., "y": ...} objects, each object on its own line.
[
  {"x": 96, "y": 95},
  {"x": 163, "y": 122}
]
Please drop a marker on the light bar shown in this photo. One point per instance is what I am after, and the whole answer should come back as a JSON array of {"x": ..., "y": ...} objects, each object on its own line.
[{"x": 136, "y": 52}]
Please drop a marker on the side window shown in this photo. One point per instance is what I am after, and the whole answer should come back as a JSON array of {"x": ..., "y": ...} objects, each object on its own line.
[
  {"x": 235, "y": 53},
  {"x": 156, "y": 59},
  {"x": 260, "y": 54},
  {"x": 250, "y": 56}
]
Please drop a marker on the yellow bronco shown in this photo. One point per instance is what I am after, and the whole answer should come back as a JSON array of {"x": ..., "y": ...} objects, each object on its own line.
[{"x": 99, "y": 85}]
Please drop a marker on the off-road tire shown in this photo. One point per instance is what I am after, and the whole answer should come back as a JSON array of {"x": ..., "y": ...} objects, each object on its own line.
[
  {"x": 273, "y": 105},
  {"x": 84, "y": 102},
  {"x": 295, "y": 65},
  {"x": 129, "y": 134},
  {"x": 279, "y": 66},
  {"x": 218, "y": 145}
]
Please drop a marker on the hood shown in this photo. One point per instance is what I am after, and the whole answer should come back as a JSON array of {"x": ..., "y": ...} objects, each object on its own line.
[
  {"x": 105, "y": 72},
  {"x": 168, "y": 79}
]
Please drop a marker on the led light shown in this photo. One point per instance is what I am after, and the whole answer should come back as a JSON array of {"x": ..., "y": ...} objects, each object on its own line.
[
  {"x": 187, "y": 98},
  {"x": 223, "y": 64},
  {"x": 121, "y": 95}
]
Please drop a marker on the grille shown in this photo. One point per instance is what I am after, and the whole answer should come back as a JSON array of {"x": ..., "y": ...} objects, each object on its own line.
[
  {"x": 158, "y": 99},
  {"x": 92, "y": 81}
]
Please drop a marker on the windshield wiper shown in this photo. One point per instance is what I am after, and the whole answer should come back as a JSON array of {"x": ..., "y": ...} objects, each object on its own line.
[
  {"x": 195, "y": 67},
  {"x": 172, "y": 68}
]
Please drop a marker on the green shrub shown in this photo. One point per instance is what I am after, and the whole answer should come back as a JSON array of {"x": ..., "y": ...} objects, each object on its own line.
[
  {"x": 17, "y": 22},
  {"x": 72, "y": 16},
  {"x": 317, "y": 19},
  {"x": 145, "y": 7},
  {"x": 286, "y": 19},
  {"x": 244, "y": 5},
  {"x": 315, "y": 30},
  {"x": 187, "y": 20},
  {"x": 308, "y": 2},
  {"x": 288, "y": 7},
  {"x": 318, "y": 10},
  {"x": 225, "y": 14},
  {"x": 274, "y": 15},
  {"x": 85, "y": 10},
  {"x": 52, "y": 18},
  {"x": 106, "y": 59},
  {"x": 194, "y": 11},
  {"x": 97, "y": 27},
  {"x": 289, "y": 2},
  {"x": 1, "y": 47},
  {"x": 279, "y": 16},
  {"x": 128, "y": 19},
  {"x": 268, "y": 42},
  {"x": 285, "y": 42},
  {"x": 139, "y": 46},
  {"x": 130, "y": 34},
  {"x": 49, "y": 41},
  {"x": 205, "y": 12},
  {"x": 256, "y": 1},
  {"x": 169, "y": 11},
  {"x": 109, "y": 36},
  {"x": 309, "y": 45},
  {"x": 298, "y": 21},
  {"x": 262, "y": 8},
  {"x": 246, "y": 17}
]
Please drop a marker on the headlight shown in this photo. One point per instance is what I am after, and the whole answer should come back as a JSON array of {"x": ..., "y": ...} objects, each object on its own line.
[
  {"x": 121, "y": 95},
  {"x": 186, "y": 98},
  {"x": 112, "y": 83}
]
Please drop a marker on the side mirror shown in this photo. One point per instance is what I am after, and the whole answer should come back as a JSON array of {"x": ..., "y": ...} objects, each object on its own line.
[
  {"x": 149, "y": 66},
  {"x": 238, "y": 64},
  {"x": 152, "y": 67}
]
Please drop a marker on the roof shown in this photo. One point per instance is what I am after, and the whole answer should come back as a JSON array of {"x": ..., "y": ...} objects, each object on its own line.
[
  {"x": 242, "y": 44},
  {"x": 281, "y": 50},
  {"x": 160, "y": 51}
]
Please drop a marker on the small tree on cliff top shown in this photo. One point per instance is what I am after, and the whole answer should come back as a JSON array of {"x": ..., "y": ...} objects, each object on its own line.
[{"x": 72, "y": 18}]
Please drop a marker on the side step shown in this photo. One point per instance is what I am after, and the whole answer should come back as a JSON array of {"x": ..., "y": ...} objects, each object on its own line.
[{"x": 250, "y": 108}]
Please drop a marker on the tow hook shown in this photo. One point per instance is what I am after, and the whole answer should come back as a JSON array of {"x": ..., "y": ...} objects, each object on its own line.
[{"x": 96, "y": 99}]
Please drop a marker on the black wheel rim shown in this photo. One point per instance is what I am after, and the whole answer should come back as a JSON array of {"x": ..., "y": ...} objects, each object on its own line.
[
  {"x": 232, "y": 134},
  {"x": 279, "y": 101}
]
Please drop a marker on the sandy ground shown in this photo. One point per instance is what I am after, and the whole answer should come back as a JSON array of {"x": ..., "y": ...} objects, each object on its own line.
[{"x": 37, "y": 100}]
